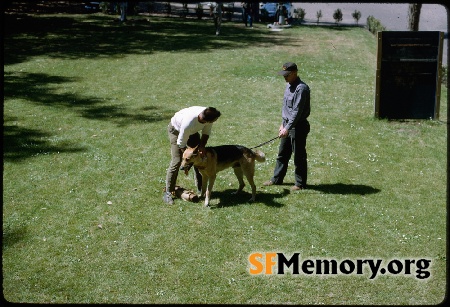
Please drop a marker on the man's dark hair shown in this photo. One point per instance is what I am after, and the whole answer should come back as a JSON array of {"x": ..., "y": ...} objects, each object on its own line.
[{"x": 210, "y": 114}]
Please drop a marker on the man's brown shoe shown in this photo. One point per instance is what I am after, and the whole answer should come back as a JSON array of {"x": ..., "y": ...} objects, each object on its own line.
[
  {"x": 267, "y": 183},
  {"x": 296, "y": 188}
]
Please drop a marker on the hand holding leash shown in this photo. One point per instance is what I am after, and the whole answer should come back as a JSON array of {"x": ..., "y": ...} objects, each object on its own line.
[{"x": 283, "y": 132}]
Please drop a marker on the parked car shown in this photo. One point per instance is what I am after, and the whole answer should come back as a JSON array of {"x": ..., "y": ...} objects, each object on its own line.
[
  {"x": 268, "y": 10},
  {"x": 95, "y": 6}
]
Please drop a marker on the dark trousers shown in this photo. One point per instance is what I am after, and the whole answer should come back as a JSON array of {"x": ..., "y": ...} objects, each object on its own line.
[
  {"x": 175, "y": 162},
  {"x": 294, "y": 143},
  {"x": 217, "y": 22}
]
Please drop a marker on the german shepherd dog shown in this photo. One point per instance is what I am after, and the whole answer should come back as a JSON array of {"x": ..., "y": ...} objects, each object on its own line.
[{"x": 218, "y": 158}]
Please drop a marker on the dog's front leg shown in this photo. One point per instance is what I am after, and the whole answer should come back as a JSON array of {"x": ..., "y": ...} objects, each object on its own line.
[
  {"x": 209, "y": 189},
  {"x": 205, "y": 180}
]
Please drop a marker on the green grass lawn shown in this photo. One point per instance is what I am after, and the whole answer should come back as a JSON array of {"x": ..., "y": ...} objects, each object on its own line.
[{"x": 87, "y": 103}]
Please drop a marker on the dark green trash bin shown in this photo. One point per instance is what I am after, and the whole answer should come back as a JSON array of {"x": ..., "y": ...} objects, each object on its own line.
[{"x": 408, "y": 78}]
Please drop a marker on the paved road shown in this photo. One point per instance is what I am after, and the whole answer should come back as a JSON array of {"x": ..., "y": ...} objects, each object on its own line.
[{"x": 394, "y": 17}]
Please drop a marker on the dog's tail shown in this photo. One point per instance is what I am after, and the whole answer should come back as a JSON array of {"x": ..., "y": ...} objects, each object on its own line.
[{"x": 259, "y": 156}]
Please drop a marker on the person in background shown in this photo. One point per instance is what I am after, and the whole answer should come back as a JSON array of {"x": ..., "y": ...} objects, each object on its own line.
[
  {"x": 277, "y": 15},
  {"x": 183, "y": 130},
  {"x": 283, "y": 15},
  {"x": 293, "y": 130},
  {"x": 247, "y": 8},
  {"x": 244, "y": 12},
  {"x": 216, "y": 12},
  {"x": 123, "y": 11},
  {"x": 290, "y": 15}
]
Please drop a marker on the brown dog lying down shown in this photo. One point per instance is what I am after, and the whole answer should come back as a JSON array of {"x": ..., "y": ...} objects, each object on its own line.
[{"x": 218, "y": 158}]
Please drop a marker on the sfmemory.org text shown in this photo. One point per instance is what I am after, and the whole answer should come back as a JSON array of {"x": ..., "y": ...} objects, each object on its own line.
[{"x": 264, "y": 263}]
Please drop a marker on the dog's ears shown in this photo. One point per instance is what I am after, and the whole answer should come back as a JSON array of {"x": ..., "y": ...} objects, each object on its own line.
[{"x": 194, "y": 150}]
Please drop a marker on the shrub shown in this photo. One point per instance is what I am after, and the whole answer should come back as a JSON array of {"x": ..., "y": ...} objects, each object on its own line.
[
  {"x": 318, "y": 15},
  {"x": 374, "y": 25},
  {"x": 337, "y": 15},
  {"x": 356, "y": 15},
  {"x": 104, "y": 6},
  {"x": 300, "y": 14}
]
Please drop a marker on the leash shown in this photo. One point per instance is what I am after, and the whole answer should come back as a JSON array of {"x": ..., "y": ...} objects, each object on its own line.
[{"x": 265, "y": 142}]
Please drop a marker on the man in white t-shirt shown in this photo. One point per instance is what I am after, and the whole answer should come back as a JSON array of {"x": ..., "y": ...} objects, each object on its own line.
[{"x": 183, "y": 131}]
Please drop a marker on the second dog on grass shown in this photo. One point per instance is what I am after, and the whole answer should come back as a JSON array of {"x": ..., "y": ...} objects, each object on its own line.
[{"x": 218, "y": 158}]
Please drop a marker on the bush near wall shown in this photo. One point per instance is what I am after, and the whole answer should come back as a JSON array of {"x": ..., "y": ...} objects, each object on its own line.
[{"x": 374, "y": 25}]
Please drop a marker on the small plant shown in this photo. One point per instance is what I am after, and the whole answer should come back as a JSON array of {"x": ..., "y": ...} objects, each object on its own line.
[
  {"x": 104, "y": 6},
  {"x": 374, "y": 25},
  {"x": 337, "y": 15},
  {"x": 318, "y": 15},
  {"x": 356, "y": 15},
  {"x": 300, "y": 14}
]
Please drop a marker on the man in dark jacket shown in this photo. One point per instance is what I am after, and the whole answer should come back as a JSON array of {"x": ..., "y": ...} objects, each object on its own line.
[{"x": 293, "y": 130}]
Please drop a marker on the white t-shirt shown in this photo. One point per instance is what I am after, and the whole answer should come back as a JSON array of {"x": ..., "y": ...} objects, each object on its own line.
[{"x": 186, "y": 122}]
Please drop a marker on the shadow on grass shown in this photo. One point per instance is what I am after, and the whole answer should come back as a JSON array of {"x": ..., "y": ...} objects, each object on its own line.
[
  {"x": 227, "y": 199},
  {"x": 65, "y": 36},
  {"x": 12, "y": 237},
  {"x": 42, "y": 89},
  {"x": 97, "y": 36},
  {"x": 123, "y": 116},
  {"x": 341, "y": 188},
  {"x": 22, "y": 143}
]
